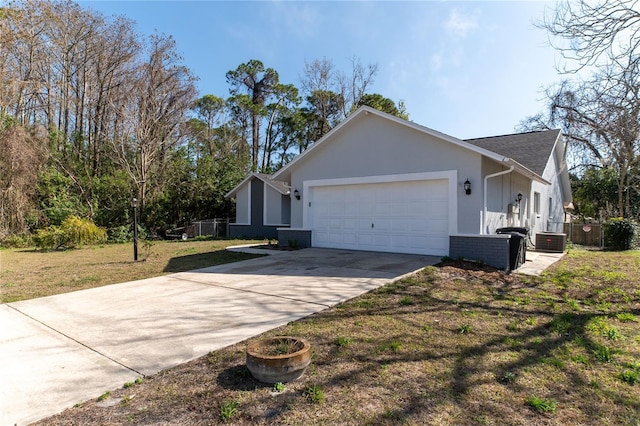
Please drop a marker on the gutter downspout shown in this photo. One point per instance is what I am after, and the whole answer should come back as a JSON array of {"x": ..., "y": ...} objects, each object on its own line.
[{"x": 486, "y": 179}]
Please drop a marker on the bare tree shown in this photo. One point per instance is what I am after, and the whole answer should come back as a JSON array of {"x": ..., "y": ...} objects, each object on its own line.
[
  {"x": 591, "y": 30},
  {"x": 355, "y": 85},
  {"x": 324, "y": 87},
  {"x": 153, "y": 114},
  {"x": 600, "y": 115},
  {"x": 601, "y": 119},
  {"x": 110, "y": 78}
]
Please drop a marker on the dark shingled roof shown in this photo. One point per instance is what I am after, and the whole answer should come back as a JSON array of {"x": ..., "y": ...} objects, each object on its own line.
[
  {"x": 282, "y": 187},
  {"x": 532, "y": 149}
]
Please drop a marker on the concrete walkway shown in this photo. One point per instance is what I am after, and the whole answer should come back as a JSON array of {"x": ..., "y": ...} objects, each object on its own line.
[
  {"x": 537, "y": 262},
  {"x": 61, "y": 350}
]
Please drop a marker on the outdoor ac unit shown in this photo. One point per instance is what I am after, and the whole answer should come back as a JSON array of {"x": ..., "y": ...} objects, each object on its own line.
[{"x": 551, "y": 242}]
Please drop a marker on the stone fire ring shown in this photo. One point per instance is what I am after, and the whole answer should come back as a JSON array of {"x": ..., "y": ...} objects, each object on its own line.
[{"x": 280, "y": 368}]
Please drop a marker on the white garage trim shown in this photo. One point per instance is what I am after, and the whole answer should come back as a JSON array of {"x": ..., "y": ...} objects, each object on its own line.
[{"x": 450, "y": 176}]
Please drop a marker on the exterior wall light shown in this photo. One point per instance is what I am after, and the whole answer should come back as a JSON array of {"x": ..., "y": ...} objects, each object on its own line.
[
  {"x": 519, "y": 197},
  {"x": 296, "y": 194},
  {"x": 467, "y": 187}
]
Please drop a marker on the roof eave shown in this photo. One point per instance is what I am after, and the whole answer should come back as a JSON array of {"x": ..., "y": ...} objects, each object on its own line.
[
  {"x": 368, "y": 110},
  {"x": 238, "y": 186},
  {"x": 258, "y": 176},
  {"x": 525, "y": 171}
]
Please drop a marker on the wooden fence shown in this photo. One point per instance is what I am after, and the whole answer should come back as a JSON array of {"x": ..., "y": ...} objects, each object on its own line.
[{"x": 590, "y": 234}]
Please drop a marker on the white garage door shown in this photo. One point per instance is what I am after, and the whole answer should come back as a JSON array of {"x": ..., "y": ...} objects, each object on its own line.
[{"x": 400, "y": 217}]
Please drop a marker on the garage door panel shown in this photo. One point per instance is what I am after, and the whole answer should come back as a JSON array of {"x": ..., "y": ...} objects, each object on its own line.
[
  {"x": 417, "y": 208},
  {"x": 320, "y": 237},
  {"x": 382, "y": 224},
  {"x": 350, "y": 224},
  {"x": 383, "y": 209},
  {"x": 407, "y": 217},
  {"x": 398, "y": 225},
  {"x": 365, "y": 239},
  {"x": 440, "y": 227},
  {"x": 335, "y": 223},
  {"x": 439, "y": 243},
  {"x": 409, "y": 241},
  {"x": 419, "y": 226},
  {"x": 350, "y": 238},
  {"x": 437, "y": 209},
  {"x": 352, "y": 209},
  {"x": 399, "y": 210}
]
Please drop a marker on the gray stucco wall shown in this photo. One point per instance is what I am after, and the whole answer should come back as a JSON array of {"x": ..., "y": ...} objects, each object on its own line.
[
  {"x": 300, "y": 237},
  {"x": 372, "y": 146},
  {"x": 501, "y": 191},
  {"x": 553, "y": 222},
  {"x": 544, "y": 221},
  {"x": 493, "y": 250}
]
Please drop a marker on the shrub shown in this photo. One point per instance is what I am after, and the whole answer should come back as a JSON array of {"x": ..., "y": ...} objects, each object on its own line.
[
  {"x": 621, "y": 234},
  {"x": 73, "y": 232},
  {"x": 49, "y": 237},
  {"x": 16, "y": 241},
  {"x": 120, "y": 234}
]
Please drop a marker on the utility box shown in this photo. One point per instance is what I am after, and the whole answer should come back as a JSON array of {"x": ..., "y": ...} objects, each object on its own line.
[{"x": 551, "y": 242}]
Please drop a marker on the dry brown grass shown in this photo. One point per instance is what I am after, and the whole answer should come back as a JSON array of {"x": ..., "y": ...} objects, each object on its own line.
[
  {"x": 29, "y": 273},
  {"x": 453, "y": 345}
]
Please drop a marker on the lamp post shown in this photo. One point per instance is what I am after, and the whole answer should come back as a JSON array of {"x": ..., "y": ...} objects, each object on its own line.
[{"x": 134, "y": 204}]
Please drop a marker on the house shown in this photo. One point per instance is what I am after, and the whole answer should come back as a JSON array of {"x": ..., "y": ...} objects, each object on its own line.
[{"x": 380, "y": 183}]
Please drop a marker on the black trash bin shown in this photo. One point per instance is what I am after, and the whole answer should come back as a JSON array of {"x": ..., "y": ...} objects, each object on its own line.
[
  {"x": 517, "y": 245},
  {"x": 510, "y": 229}
]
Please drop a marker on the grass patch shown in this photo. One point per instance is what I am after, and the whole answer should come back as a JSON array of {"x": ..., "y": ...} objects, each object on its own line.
[
  {"x": 343, "y": 342},
  {"x": 228, "y": 410},
  {"x": 542, "y": 405},
  {"x": 314, "y": 393},
  {"x": 37, "y": 274},
  {"x": 464, "y": 328},
  {"x": 530, "y": 358},
  {"x": 629, "y": 376},
  {"x": 626, "y": 317},
  {"x": 104, "y": 396}
]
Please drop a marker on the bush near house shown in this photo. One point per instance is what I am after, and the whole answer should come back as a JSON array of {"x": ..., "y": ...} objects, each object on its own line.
[{"x": 621, "y": 234}]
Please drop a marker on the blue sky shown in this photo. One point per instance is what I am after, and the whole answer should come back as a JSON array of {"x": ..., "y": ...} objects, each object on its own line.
[{"x": 468, "y": 69}]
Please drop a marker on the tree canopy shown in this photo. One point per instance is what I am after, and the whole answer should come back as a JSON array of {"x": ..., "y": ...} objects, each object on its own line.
[
  {"x": 599, "y": 114},
  {"x": 93, "y": 114}
]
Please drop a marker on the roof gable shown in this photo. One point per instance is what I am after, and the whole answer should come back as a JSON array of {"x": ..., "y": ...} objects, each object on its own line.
[
  {"x": 532, "y": 149},
  {"x": 279, "y": 186},
  {"x": 365, "y": 110},
  {"x": 480, "y": 146}
]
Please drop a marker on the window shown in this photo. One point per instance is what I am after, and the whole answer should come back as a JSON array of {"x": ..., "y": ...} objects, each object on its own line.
[
  {"x": 550, "y": 207},
  {"x": 536, "y": 203}
]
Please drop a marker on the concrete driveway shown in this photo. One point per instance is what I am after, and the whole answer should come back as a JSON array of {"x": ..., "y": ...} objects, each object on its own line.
[{"x": 61, "y": 350}]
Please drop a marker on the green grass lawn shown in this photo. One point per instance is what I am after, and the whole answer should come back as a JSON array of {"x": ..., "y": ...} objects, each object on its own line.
[
  {"x": 455, "y": 344},
  {"x": 30, "y": 273}
]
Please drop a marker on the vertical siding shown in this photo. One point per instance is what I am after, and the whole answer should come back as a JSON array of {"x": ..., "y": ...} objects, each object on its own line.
[
  {"x": 273, "y": 205},
  {"x": 243, "y": 205}
]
